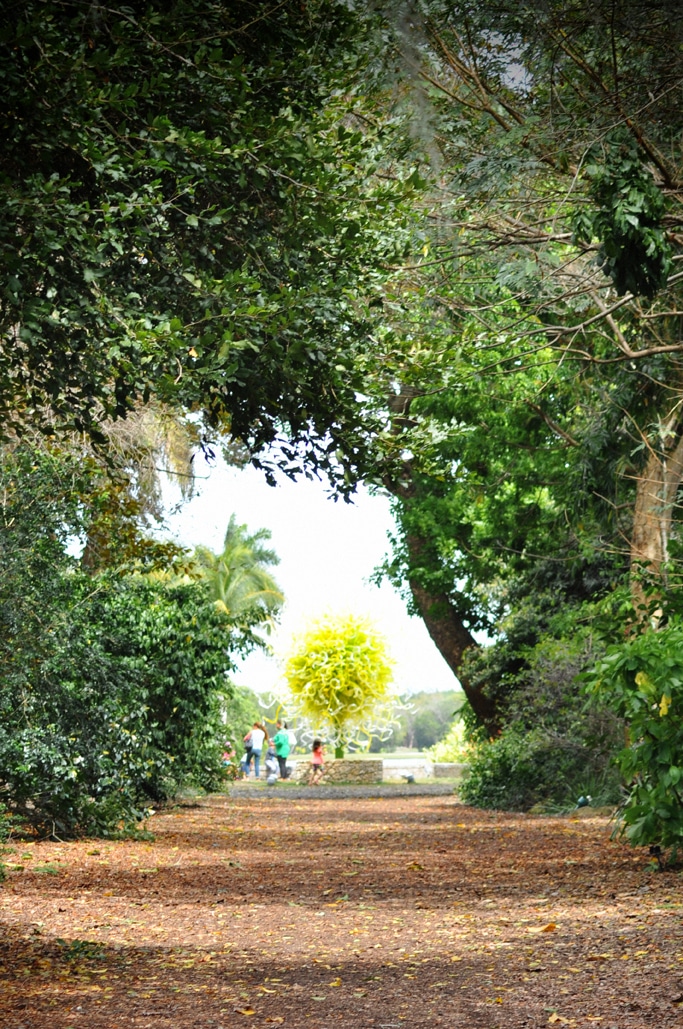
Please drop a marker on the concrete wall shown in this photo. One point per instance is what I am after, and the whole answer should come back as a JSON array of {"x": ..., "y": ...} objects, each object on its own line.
[{"x": 448, "y": 770}]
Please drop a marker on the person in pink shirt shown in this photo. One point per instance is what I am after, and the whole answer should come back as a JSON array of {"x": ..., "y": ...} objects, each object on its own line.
[{"x": 317, "y": 763}]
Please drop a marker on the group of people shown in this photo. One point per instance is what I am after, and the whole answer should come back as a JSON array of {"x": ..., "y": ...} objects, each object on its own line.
[{"x": 277, "y": 752}]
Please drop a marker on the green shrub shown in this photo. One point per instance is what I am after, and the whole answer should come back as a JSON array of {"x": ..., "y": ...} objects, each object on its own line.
[
  {"x": 519, "y": 770},
  {"x": 556, "y": 745},
  {"x": 643, "y": 680},
  {"x": 454, "y": 746},
  {"x": 113, "y": 669},
  {"x": 122, "y": 710}
]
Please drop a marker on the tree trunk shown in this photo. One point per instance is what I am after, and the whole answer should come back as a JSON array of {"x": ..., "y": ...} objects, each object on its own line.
[
  {"x": 444, "y": 623},
  {"x": 449, "y": 633},
  {"x": 656, "y": 492}
]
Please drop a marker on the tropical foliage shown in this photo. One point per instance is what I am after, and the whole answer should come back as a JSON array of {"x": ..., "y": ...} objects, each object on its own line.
[
  {"x": 112, "y": 683},
  {"x": 643, "y": 681},
  {"x": 555, "y": 746},
  {"x": 238, "y": 578},
  {"x": 530, "y": 375},
  {"x": 190, "y": 213},
  {"x": 122, "y": 712},
  {"x": 208, "y": 209},
  {"x": 533, "y": 418}
]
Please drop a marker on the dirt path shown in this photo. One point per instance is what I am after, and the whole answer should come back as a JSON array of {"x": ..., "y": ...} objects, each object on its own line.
[{"x": 344, "y": 914}]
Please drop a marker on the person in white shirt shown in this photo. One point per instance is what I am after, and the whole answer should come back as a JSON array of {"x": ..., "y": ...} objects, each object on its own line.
[{"x": 258, "y": 735}]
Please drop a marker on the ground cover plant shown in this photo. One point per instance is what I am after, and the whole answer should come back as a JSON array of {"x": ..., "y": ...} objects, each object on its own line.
[{"x": 358, "y": 913}]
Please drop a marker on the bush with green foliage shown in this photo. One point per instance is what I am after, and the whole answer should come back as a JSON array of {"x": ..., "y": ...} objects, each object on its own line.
[
  {"x": 124, "y": 710},
  {"x": 642, "y": 679},
  {"x": 111, "y": 684},
  {"x": 555, "y": 747},
  {"x": 338, "y": 673},
  {"x": 455, "y": 746},
  {"x": 520, "y": 770}
]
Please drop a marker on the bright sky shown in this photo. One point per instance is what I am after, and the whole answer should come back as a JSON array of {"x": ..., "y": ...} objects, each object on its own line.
[{"x": 327, "y": 552}]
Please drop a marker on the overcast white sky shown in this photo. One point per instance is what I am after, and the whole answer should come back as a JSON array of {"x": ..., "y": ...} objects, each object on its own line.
[{"x": 327, "y": 552}]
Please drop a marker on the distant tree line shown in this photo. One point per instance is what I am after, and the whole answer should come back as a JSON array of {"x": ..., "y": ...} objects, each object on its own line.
[{"x": 423, "y": 719}]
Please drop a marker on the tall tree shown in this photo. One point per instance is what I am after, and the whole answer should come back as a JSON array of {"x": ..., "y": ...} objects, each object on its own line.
[
  {"x": 535, "y": 417},
  {"x": 190, "y": 213}
]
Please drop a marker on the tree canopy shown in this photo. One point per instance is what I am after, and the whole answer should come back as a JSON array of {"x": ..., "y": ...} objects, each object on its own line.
[
  {"x": 207, "y": 208},
  {"x": 532, "y": 437},
  {"x": 190, "y": 212},
  {"x": 239, "y": 579}
]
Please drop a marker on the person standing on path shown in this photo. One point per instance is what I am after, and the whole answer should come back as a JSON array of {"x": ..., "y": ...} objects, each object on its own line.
[
  {"x": 246, "y": 759},
  {"x": 258, "y": 735},
  {"x": 317, "y": 763},
  {"x": 281, "y": 742}
]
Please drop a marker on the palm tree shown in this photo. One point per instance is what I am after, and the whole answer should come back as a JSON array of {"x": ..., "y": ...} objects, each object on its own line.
[{"x": 240, "y": 583}]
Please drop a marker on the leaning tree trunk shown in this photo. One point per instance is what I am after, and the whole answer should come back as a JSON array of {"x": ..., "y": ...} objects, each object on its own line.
[
  {"x": 449, "y": 633},
  {"x": 444, "y": 623},
  {"x": 656, "y": 491}
]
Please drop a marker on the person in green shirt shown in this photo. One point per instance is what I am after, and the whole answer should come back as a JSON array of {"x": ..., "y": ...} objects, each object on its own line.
[{"x": 281, "y": 741}]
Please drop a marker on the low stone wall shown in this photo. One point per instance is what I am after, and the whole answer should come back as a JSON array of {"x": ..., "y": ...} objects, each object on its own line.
[
  {"x": 448, "y": 770},
  {"x": 342, "y": 771}
]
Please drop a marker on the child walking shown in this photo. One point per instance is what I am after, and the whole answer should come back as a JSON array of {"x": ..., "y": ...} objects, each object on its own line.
[{"x": 317, "y": 763}]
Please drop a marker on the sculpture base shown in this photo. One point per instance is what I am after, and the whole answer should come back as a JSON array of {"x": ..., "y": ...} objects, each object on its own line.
[{"x": 342, "y": 771}]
